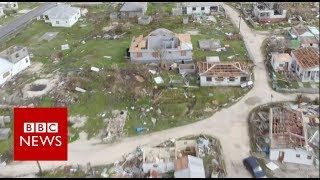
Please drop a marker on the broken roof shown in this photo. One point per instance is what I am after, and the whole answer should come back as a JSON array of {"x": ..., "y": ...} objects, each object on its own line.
[
  {"x": 308, "y": 40},
  {"x": 307, "y": 57},
  {"x": 8, "y": 54},
  {"x": 193, "y": 164},
  {"x": 281, "y": 57},
  {"x": 218, "y": 69},
  {"x": 154, "y": 39},
  {"x": 286, "y": 127},
  {"x": 299, "y": 29},
  {"x": 134, "y": 6},
  {"x": 62, "y": 11}
]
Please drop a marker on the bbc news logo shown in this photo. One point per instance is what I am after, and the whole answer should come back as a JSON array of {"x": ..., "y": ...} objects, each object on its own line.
[{"x": 40, "y": 134}]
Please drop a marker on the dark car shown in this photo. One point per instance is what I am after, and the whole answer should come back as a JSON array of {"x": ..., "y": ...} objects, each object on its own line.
[{"x": 253, "y": 167}]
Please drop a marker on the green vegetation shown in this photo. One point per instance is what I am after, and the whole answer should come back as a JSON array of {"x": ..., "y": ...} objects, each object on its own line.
[{"x": 106, "y": 93}]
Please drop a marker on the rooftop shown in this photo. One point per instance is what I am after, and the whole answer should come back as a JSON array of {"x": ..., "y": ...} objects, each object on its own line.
[
  {"x": 62, "y": 11},
  {"x": 193, "y": 164},
  {"x": 222, "y": 69},
  {"x": 286, "y": 128},
  {"x": 134, "y": 6},
  {"x": 159, "y": 38},
  {"x": 281, "y": 57},
  {"x": 307, "y": 57},
  {"x": 14, "y": 53},
  {"x": 299, "y": 29},
  {"x": 4, "y": 65},
  {"x": 308, "y": 40}
]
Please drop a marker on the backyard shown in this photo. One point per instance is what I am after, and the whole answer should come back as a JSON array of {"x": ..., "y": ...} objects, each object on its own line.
[{"x": 116, "y": 86}]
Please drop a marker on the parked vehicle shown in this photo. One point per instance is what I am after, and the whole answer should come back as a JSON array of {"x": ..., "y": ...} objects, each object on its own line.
[{"x": 253, "y": 167}]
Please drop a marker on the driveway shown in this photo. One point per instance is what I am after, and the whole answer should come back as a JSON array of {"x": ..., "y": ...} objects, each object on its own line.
[{"x": 228, "y": 125}]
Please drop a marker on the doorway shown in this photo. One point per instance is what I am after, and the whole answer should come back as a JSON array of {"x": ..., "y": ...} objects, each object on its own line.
[{"x": 281, "y": 156}]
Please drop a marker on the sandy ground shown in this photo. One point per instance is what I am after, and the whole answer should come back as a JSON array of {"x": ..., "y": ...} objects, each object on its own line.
[{"x": 228, "y": 125}]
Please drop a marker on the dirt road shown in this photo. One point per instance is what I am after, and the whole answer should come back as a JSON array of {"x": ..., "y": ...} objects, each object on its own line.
[{"x": 228, "y": 125}]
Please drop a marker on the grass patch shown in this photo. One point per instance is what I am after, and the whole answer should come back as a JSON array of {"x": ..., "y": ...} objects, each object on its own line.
[{"x": 306, "y": 85}]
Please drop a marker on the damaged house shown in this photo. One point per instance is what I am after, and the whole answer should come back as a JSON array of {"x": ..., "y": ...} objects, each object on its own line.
[
  {"x": 161, "y": 45},
  {"x": 190, "y": 8},
  {"x": 307, "y": 36},
  {"x": 288, "y": 137},
  {"x": 133, "y": 9},
  {"x": 280, "y": 62},
  {"x": 189, "y": 167},
  {"x": 158, "y": 158},
  {"x": 12, "y": 61},
  {"x": 62, "y": 15},
  {"x": 305, "y": 63},
  {"x": 9, "y": 5},
  {"x": 222, "y": 74},
  {"x": 269, "y": 11}
]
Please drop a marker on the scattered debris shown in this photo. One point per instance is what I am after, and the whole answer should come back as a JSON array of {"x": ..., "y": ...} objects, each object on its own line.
[
  {"x": 139, "y": 78},
  {"x": 272, "y": 166},
  {"x": 65, "y": 47},
  {"x": 95, "y": 69},
  {"x": 77, "y": 121},
  {"x": 107, "y": 57},
  {"x": 210, "y": 45},
  {"x": 80, "y": 89},
  {"x": 115, "y": 126},
  {"x": 158, "y": 80}
]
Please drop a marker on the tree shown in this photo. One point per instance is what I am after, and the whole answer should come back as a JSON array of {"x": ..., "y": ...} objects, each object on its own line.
[{"x": 40, "y": 170}]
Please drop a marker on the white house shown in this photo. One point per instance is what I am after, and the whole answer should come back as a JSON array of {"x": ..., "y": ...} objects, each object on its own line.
[
  {"x": 189, "y": 167},
  {"x": 9, "y": 5},
  {"x": 12, "y": 61},
  {"x": 189, "y": 8},
  {"x": 288, "y": 137},
  {"x": 281, "y": 61},
  {"x": 305, "y": 63},
  {"x": 222, "y": 74},
  {"x": 269, "y": 11},
  {"x": 1, "y": 12},
  {"x": 62, "y": 15}
]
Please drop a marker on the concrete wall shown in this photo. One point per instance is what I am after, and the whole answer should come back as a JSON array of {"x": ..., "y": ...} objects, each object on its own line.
[
  {"x": 316, "y": 45},
  {"x": 21, "y": 65},
  {"x": 65, "y": 22},
  {"x": 276, "y": 65},
  {"x": 170, "y": 55},
  {"x": 4, "y": 79},
  {"x": 290, "y": 156},
  {"x": 132, "y": 14},
  {"x": 225, "y": 82},
  {"x": 161, "y": 167},
  {"x": 198, "y": 10}
]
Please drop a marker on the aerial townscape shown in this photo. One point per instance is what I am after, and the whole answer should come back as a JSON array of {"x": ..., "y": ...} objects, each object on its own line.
[{"x": 166, "y": 89}]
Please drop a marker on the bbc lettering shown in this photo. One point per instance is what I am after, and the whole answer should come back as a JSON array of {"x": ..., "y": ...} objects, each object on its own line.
[
  {"x": 40, "y": 127},
  {"x": 40, "y": 140}
]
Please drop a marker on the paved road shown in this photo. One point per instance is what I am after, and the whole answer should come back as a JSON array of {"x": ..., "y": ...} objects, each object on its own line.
[
  {"x": 21, "y": 21},
  {"x": 228, "y": 125}
]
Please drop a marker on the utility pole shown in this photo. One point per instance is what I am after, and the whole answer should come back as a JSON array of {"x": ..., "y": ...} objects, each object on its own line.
[
  {"x": 271, "y": 98},
  {"x": 40, "y": 170}
]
